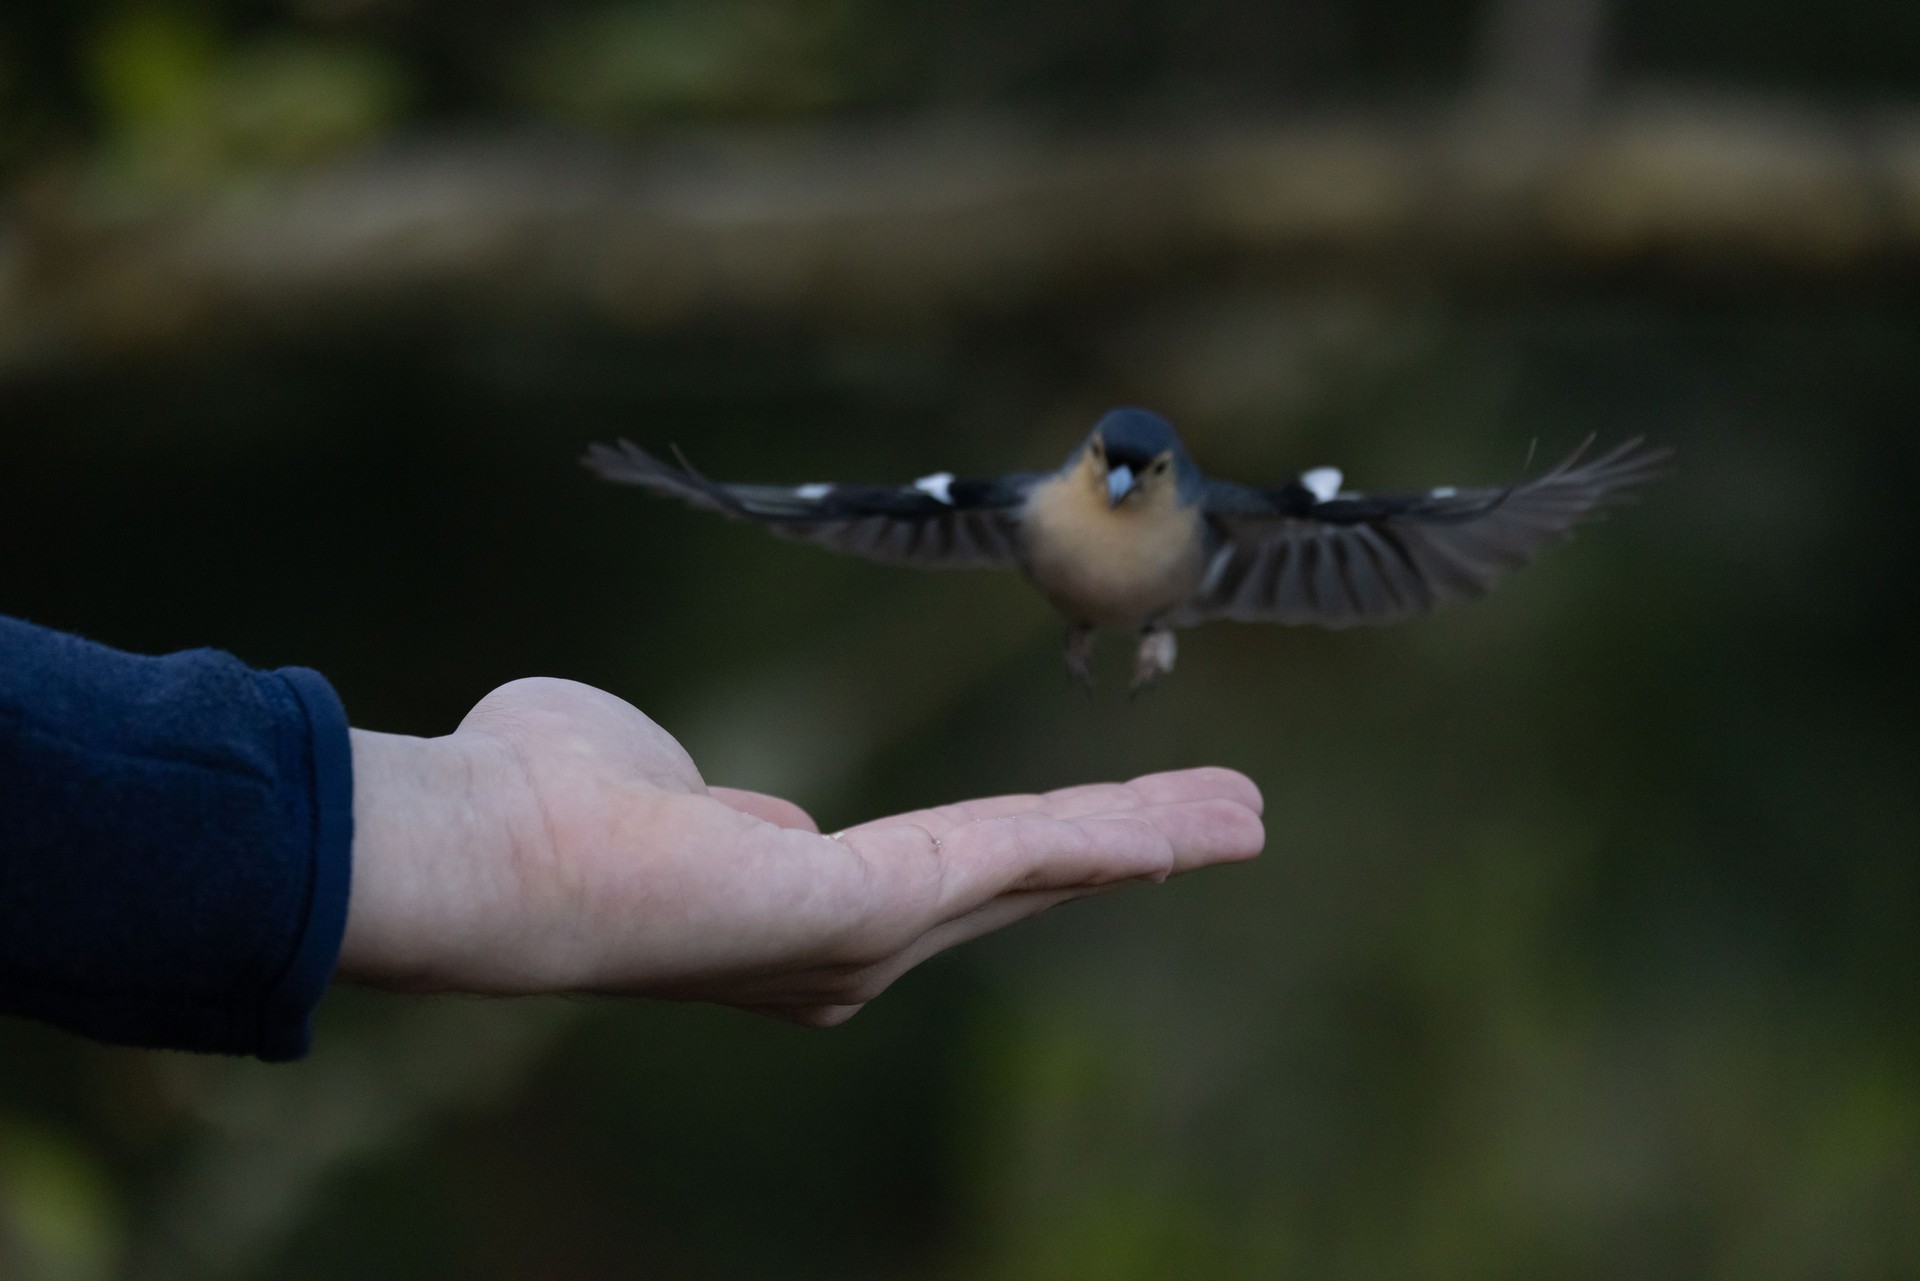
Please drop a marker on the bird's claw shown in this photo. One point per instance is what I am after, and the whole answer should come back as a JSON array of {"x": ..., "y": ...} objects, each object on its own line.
[
  {"x": 1080, "y": 656},
  {"x": 1154, "y": 658}
]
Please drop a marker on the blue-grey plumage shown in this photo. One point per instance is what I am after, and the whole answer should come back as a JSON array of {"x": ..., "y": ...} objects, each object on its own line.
[{"x": 1129, "y": 533}]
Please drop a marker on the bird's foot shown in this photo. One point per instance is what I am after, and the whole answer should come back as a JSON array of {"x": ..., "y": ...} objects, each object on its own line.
[
  {"x": 1080, "y": 655},
  {"x": 1154, "y": 658}
]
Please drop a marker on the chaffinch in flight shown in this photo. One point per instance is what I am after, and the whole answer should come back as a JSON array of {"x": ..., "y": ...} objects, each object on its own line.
[{"x": 1130, "y": 534}]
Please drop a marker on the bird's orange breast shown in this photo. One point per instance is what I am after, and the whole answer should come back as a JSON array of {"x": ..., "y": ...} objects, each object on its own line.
[{"x": 1110, "y": 566}]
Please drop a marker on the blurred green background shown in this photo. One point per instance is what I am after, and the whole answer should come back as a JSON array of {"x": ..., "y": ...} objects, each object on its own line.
[{"x": 1586, "y": 940}]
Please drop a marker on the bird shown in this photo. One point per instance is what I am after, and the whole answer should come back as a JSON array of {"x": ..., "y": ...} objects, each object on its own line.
[{"x": 1129, "y": 534}]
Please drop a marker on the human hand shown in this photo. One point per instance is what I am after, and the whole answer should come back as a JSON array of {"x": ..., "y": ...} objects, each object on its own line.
[{"x": 559, "y": 840}]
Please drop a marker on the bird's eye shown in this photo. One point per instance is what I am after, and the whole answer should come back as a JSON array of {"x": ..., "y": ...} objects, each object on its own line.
[{"x": 1159, "y": 466}]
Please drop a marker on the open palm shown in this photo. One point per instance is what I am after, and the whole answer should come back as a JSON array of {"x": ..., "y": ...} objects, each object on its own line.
[{"x": 612, "y": 867}]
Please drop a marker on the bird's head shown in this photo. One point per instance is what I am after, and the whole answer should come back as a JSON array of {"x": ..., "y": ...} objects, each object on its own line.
[{"x": 1134, "y": 454}]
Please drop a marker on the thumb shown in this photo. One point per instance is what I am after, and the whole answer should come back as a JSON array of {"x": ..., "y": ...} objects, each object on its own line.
[{"x": 771, "y": 809}]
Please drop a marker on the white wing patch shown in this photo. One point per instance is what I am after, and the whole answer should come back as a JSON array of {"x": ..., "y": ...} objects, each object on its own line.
[
  {"x": 1215, "y": 568},
  {"x": 812, "y": 493},
  {"x": 937, "y": 486},
  {"x": 1322, "y": 482},
  {"x": 1442, "y": 491}
]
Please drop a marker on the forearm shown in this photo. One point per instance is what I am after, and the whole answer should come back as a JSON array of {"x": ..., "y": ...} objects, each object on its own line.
[{"x": 193, "y": 849}]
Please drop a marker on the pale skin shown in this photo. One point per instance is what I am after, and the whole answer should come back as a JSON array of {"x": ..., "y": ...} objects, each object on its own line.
[{"x": 560, "y": 841}]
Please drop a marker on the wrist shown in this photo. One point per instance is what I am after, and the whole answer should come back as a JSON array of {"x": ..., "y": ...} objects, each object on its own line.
[{"x": 425, "y": 866}]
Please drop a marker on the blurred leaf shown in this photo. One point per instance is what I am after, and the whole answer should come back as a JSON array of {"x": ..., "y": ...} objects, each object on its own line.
[
  {"x": 184, "y": 109},
  {"x": 286, "y": 101},
  {"x": 728, "y": 58},
  {"x": 154, "y": 66},
  {"x": 57, "y": 1217}
]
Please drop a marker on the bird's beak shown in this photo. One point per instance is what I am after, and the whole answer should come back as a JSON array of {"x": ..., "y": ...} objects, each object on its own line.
[{"x": 1119, "y": 484}]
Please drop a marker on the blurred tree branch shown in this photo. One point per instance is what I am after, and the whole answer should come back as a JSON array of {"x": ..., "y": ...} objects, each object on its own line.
[{"x": 928, "y": 219}]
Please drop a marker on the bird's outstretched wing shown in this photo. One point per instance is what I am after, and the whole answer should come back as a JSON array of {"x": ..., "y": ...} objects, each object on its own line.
[
  {"x": 1308, "y": 554},
  {"x": 935, "y": 521}
]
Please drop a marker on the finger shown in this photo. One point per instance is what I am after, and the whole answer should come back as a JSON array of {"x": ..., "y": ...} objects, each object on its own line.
[
  {"x": 1033, "y": 852},
  {"x": 1084, "y": 798},
  {"x": 1204, "y": 783},
  {"x": 891, "y": 883},
  {"x": 1066, "y": 802},
  {"x": 773, "y": 809},
  {"x": 1208, "y": 782},
  {"x": 1205, "y": 833}
]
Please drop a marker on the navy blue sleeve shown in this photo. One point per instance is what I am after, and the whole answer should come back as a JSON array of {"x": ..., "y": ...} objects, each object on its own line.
[{"x": 175, "y": 844}]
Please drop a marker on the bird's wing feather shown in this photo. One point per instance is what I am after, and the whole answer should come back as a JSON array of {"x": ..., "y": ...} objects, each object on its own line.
[
  {"x": 936, "y": 521},
  {"x": 1287, "y": 556}
]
